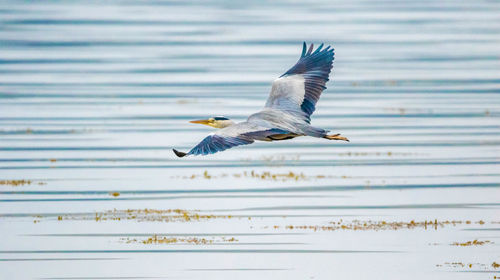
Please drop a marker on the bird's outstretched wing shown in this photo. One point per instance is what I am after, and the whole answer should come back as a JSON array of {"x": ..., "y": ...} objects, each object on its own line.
[
  {"x": 214, "y": 143},
  {"x": 298, "y": 90},
  {"x": 239, "y": 134}
]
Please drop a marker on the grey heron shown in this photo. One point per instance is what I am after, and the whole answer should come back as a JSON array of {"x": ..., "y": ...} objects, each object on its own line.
[{"x": 287, "y": 113}]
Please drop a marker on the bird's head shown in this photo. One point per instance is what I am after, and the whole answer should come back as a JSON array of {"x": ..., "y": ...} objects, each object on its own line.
[{"x": 217, "y": 122}]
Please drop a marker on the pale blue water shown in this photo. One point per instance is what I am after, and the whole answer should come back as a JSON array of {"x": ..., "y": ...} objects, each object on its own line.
[{"x": 93, "y": 96}]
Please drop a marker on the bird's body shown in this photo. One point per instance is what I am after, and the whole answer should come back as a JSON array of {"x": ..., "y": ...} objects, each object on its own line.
[{"x": 286, "y": 114}]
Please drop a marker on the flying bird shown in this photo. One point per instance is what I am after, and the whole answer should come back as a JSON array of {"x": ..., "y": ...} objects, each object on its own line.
[{"x": 287, "y": 113}]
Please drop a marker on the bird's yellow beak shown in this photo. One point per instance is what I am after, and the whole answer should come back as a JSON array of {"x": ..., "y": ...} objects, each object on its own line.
[{"x": 205, "y": 122}]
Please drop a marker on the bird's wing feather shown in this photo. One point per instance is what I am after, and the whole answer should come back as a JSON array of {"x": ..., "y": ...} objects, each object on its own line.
[
  {"x": 216, "y": 143},
  {"x": 239, "y": 134},
  {"x": 298, "y": 90}
]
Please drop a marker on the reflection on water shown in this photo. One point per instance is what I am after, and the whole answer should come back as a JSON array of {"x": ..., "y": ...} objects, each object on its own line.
[{"x": 94, "y": 95}]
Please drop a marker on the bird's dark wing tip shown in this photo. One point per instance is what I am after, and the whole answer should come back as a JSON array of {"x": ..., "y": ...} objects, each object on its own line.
[{"x": 179, "y": 154}]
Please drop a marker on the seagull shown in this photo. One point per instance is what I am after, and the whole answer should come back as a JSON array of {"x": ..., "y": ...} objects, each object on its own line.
[{"x": 287, "y": 113}]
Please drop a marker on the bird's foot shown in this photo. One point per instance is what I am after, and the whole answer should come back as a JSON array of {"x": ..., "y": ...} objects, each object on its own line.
[
  {"x": 336, "y": 137},
  {"x": 179, "y": 154}
]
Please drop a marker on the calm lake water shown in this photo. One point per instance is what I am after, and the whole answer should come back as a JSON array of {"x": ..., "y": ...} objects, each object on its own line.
[{"x": 93, "y": 96}]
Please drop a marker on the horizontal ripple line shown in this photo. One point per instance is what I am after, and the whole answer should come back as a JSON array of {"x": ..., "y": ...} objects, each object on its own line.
[
  {"x": 209, "y": 251},
  {"x": 263, "y": 189},
  {"x": 400, "y": 206},
  {"x": 257, "y": 164}
]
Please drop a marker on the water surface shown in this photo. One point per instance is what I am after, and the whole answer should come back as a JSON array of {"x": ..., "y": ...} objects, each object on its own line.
[{"x": 93, "y": 96}]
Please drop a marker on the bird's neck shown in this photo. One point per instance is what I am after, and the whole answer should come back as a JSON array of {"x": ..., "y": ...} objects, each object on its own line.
[{"x": 224, "y": 123}]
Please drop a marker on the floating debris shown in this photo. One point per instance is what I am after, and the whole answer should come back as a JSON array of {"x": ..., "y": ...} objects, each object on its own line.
[
  {"x": 115, "y": 194},
  {"x": 266, "y": 175},
  {"x": 155, "y": 239},
  {"x": 472, "y": 243},
  {"x": 469, "y": 265},
  {"x": 37, "y": 219},
  {"x": 186, "y": 101},
  {"x": 15, "y": 183},
  {"x": 453, "y": 264},
  {"x": 364, "y": 154},
  {"x": 377, "y": 225},
  {"x": 145, "y": 215}
]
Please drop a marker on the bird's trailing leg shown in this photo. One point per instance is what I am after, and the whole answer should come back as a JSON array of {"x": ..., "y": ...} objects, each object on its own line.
[
  {"x": 179, "y": 154},
  {"x": 336, "y": 137}
]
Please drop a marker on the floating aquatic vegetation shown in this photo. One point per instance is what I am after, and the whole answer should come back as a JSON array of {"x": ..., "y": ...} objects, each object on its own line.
[
  {"x": 401, "y": 111},
  {"x": 278, "y": 159},
  {"x": 144, "y": 215},
  {"x": 378, "y": 225},
  {"x": 364, "y": 154},
  {"x": 15, "y": 183},
  {"x": 475, "y": 242},
  {"x": 265, "y": 175},
  {"x": 180, "y": 215},
  {"x": 275, "y": 160},
  {"x": 270, "y": 176},
  {"x": 157, "y": 239},
  {"x": 37, "y": 219},
  {"x": 186, "y": 101},
  {"x": 469, "y": 265}
]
